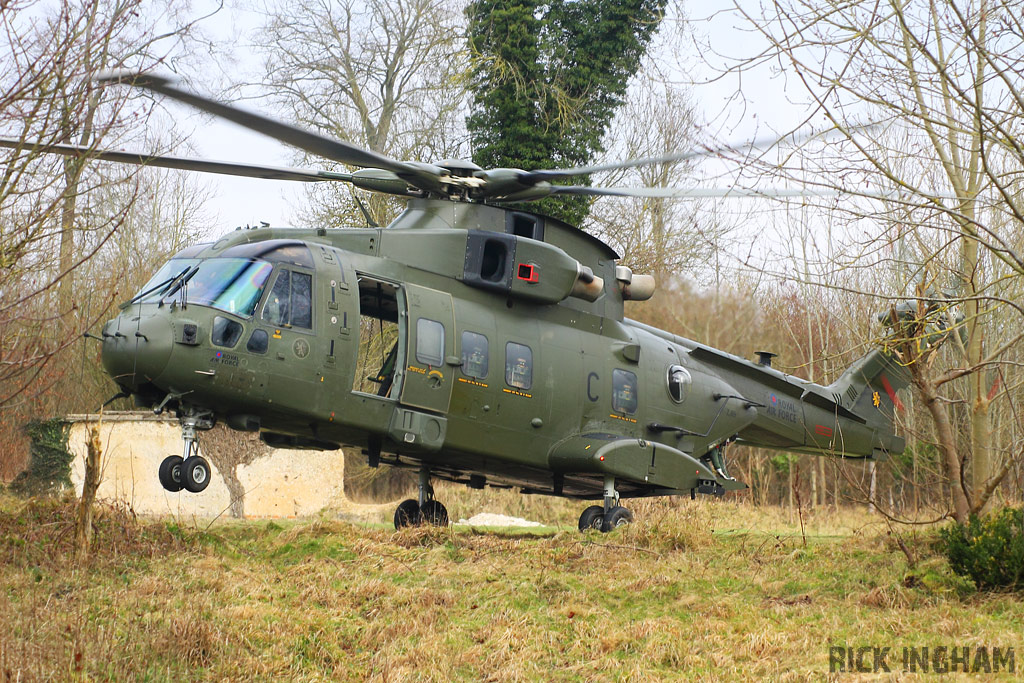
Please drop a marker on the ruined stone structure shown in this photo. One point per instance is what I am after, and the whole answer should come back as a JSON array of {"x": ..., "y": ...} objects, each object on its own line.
[{"x": 277, "y": 483}]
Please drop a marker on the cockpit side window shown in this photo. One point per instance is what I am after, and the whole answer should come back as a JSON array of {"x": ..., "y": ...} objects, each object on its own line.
[
  {"x": 302, "y": 300},
  {"x": 278, "y": 307},
  {"x": 290, "y": 303}
]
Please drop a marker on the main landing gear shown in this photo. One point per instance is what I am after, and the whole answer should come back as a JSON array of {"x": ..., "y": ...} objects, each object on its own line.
[
  {"x": 425, "y": 510},
  {"x": 191, "y": 472},
  {"x": 609, "y": 516},
  {"x": 715, "y": 459}
]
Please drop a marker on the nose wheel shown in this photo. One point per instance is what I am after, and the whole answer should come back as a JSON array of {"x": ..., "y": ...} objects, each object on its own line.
[
  {"x": 191, "y": 472},
  {"x": 412, "y": 512},
  {"x": 195, "y": 474},
  {"x": 170, "y": 473}
]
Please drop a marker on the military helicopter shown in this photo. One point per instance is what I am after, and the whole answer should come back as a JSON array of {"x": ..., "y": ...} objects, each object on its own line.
[{"x": 502, "y": 356}]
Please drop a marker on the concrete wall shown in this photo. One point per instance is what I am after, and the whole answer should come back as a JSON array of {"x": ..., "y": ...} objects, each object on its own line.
[{"x": 285, "y": 483}]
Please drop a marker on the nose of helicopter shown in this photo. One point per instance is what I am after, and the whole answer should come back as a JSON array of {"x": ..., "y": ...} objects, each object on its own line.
[{"x": 136, "y": 349}]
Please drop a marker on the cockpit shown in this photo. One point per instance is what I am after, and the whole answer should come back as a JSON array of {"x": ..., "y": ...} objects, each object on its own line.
[{"x": 234, "y": 281}]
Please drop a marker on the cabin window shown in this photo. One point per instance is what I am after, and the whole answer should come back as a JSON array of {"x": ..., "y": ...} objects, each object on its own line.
[
  {"x": 429, "y": 342},
  {"x": 290, "y": 303},
  {"x": 679, "y": 381},
  {"x": 518, "y": 366},
  {"x": 474, "y": 355},
  {"x": 225, "y": 332},
  {"x": 258, "y": 342},
  {"x": 624, "y": 395}
]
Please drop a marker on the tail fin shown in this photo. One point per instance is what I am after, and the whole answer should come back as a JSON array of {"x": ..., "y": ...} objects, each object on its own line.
[{"x": 868, "y": 388}]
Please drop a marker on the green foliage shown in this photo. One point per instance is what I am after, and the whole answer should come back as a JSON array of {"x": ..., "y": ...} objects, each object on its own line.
[
  {"x": 782, "y": 462},
  {"x": 549, "y": 75},
  {"x": 49, "y": 465},
  {"x": 989, "y": 550},
  {"x": 927, "y": 455}
]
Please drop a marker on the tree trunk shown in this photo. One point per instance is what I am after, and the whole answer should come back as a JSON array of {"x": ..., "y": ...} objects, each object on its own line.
[
  {"x": 789, "y": 480},
  {"x": 873, "y": 486},
  {"x": 981, "y": 441},
  {"x": 822, "y": 475},
  {"x": 65, "y": 290},
  {"x": 83, "y": 516},
  {"x": 814, "y": 485},
  {"x": 947, "y": 443}
]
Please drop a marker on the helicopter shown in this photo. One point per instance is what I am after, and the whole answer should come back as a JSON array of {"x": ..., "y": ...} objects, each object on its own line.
[{"x": 501, "y": 353}]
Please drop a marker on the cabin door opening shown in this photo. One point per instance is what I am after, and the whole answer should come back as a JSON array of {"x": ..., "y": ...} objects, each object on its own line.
[{"x": 381, "y": 356}]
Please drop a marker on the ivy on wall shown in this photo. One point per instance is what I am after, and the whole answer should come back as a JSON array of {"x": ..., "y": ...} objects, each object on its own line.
[{"x": 49, "y": 464}]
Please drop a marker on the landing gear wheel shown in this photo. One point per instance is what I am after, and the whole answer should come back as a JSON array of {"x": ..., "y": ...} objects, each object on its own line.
[
  {"x": 592, "y": 518},
  {"x": 616, "y": 517},
  {"x": 170, "y": 473},
  {"x": 408, "y": 514},
  {"x": 434, "y": 513},
  {"x": 195, "y": 474}
]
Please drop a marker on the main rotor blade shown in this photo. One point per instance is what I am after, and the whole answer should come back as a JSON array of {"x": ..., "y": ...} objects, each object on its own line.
[
  {"x": 725, "y": 192},
  {"x": 704, "y": 151},
  {"x": 682, "y": 193},
  {"x": 181, "y": 163},
  {"x": 421, "y": 175}
]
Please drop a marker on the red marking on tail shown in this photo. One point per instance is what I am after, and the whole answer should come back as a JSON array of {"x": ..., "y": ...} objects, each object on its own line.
[{"x": 892, "y": 393}]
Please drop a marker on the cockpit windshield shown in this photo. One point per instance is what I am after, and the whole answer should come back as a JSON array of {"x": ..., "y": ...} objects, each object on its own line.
[{"x": 229, "y": 284}]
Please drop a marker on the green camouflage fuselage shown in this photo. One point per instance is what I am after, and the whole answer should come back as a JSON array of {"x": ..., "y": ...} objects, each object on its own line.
[{"x": 500, "y": 374}]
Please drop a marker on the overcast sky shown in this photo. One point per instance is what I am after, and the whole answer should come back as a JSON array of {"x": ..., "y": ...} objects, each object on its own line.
[{"x": 762, "y": 110}]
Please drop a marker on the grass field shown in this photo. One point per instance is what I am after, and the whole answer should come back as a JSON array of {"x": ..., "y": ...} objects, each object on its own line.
[{"x": 708, "y": 590}]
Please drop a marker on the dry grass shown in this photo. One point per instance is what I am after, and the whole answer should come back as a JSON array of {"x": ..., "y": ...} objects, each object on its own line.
[{"x": 717, "y": 591}]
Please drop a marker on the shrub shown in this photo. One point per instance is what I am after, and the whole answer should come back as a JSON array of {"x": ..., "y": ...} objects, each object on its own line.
[{"x": 989, "y": 550}]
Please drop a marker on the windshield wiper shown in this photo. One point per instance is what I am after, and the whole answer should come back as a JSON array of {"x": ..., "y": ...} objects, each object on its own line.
[
  {"x": 160, "y": 285},
  {"x": 181, "y": 280}
]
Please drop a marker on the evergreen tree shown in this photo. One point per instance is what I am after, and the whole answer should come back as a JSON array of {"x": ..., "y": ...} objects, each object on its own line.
[{"x": 548, "y": 78}]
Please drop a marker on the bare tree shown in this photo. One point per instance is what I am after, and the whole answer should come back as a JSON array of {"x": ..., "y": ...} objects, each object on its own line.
[
  {"x": 653, "y": 235},
  {"x": 941, "y": 170},
  {"x": 388, "y": 75},
  {"x": 671, "y": 239},
  {"x": 61, "y": 218}
]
